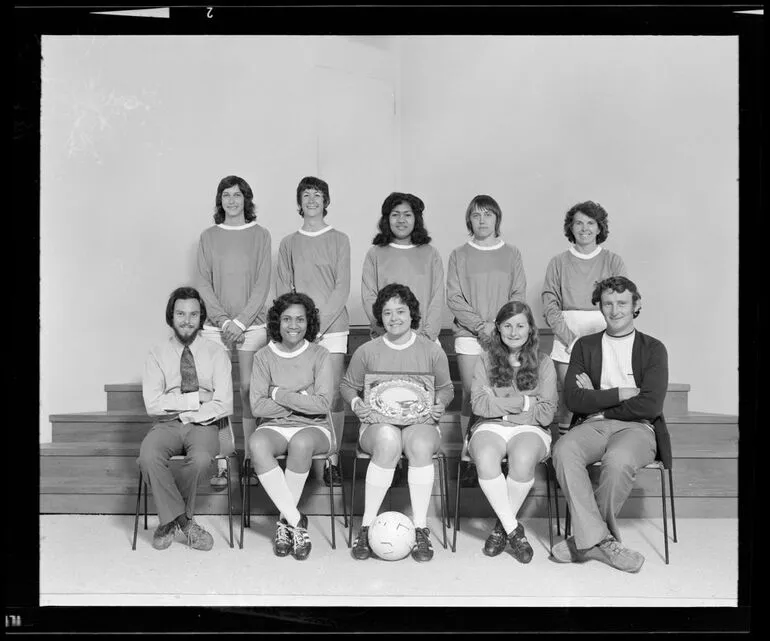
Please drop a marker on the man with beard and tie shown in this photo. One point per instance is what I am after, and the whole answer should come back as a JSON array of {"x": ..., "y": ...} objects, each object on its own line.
[{"x": 188, "y": 389}]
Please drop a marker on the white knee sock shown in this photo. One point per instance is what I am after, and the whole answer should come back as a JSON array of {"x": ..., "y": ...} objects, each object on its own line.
[
  {"x": 275, "y": 485},
  {"x": 378, "y": 480},
  {"x": 296, "y": 483},
  {"x": 496, "y": 491},
  {"x": 420, "y": 481},
  {"x": 517, "y": 493}
]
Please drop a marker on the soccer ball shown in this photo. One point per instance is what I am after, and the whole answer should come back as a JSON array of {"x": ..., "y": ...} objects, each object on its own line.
[{"x": 391, "y": 536}]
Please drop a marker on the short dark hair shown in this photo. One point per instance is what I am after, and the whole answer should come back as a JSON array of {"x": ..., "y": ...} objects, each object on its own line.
[
  {"x": 281, "y": 304},
  {"x": 311, "y": 182},
  {"x": 419, "y": 233},
  {"x": 183, "y": 293},
  {"x": 617, "y": 284},
  {"x": 480, "y": 203},
  {"x": 249, "y": 213},
  {"x": 592, "y": 210},
  {"x": 404, "y": 294}
]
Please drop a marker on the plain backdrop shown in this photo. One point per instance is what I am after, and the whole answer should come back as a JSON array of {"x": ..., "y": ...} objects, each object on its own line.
[{"x": 137, "y": 131}]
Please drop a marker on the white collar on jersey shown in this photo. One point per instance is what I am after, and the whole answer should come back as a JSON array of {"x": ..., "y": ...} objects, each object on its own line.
[
  {"x": 315, "y": 233},
  {"x": 483, "y": 248},
  {"x": 282, "y": 354},
  {"x": 237, "y": 227},
  {"x": 408, "y": 343},
  {"x": 575, "y": 252},
  {"x": 397, "y": 246}
]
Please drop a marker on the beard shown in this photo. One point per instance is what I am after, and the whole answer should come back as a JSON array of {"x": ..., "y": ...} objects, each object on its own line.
[{"x": 186, "y": 340}]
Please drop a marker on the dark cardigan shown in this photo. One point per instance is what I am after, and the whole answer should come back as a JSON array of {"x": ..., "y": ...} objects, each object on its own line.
[{"x": 649, "y": 360}]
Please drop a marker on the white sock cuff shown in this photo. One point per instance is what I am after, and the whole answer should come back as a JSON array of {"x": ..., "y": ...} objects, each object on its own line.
[
  {"x": 421, "y": 475},
  {"x": 379, "y": 476},
  {"x": 520, "y": 485},
  {"x": 300, "y": 477},
  {"x": 495, "y": 480},
  {"x": 275, "y": 471}
]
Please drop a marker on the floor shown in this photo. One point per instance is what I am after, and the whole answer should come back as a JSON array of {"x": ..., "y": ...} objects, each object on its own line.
[{"x": 87, "y": 560}]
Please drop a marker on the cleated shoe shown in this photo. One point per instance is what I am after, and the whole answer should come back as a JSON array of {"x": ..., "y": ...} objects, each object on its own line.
[
  {"x": 332, "y": 476},
  {"x": 282, "y": 541},
  {"x": 300, "y": 539},
  {"x": 423, "y": 550},
  {"x": 496, "y": 541},
  {"x": 522, "y": 550},
  {"x": 361, "y": 550}
]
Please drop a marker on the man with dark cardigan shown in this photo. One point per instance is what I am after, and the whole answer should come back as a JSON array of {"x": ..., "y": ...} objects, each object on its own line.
[{"x": 615, "y": 386}]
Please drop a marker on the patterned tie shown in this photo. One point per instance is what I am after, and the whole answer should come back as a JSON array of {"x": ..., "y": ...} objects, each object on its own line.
[{"x": 189, "y": 373}]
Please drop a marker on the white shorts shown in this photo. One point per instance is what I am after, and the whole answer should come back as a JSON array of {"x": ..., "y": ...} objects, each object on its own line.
[
  {"x": 335, "y": 343},
  {"x": 582, "y": 323},
  {"x": 508, "y": 431},
  {"x": 289, "y": 432},
  {"x": 255, "y": 337},
  {"x": 467, "y": 346},
  {"x": 363, "y": 426}
]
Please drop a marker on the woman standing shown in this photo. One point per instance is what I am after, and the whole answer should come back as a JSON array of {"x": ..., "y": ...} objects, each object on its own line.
[
  {"x": 233, "y": 280},
  {"x": 402, "y": 253},
  {"x": 482, "y": 275},
  {"x": 569, "y": 283},
  {"x": 315, "y": 260},
  {"x": 291, "y": 387},
  {"x": 514, "y": 391}
]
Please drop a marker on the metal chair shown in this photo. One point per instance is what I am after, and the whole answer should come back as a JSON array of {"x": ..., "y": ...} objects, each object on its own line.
[
  {"x": 226, "y": 452},
  {"x": 439, "y": 457},
  {"x": 466, "y": 458},
  {"x": 246, "y": 489},
  {"x": 655, "y": 465}
]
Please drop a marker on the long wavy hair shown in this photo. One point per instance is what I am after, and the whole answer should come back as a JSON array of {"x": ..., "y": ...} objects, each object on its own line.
[
  {"x": 249, "y": 211},
  {"x": 501, "y": 373},
  {"x": 419, "y": 233},
  {"x": 281, "y": 304},
  {"x": 592, "y": 210}
]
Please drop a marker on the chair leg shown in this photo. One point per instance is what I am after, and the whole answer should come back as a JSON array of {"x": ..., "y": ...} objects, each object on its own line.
[
  {"x": 229, "y": 501},
  {"x": 567, "y": 522},
  {"x": 331, "y": 506},
  {"x": 457, "y": 507},
  {"x": 342, "y": 490},
  {"x": 548, "y": 498},
  {"x": 671, "y": 491},
  {"x": 555, "y": 497},
  {"x": 665, "y": 516},
  {"x": 248, "y": 497},
  {"x": 446, "y": 492},
  {"x": 244, "y": 492},
  {"x": 145, "y": 505},
  {"x": 352, "y": 502},
  {"x": 441, "y": 460},
  {"x": 136, "y": 518}
]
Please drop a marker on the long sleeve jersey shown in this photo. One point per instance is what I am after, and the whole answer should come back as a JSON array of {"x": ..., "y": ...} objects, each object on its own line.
[
  {"x": 234, "y": 273},
  {"x": 480, "y": 280},
  {"x": 162, "y": 382},
  {"x": 419, "y": 268},
  {"x": 498, "y": 403},
  {"x": 569, "y": 282},
  {"x": 304, "y": 383},
  {"x": 418, "y": 356},
  {"x": 318, "y": 264}
]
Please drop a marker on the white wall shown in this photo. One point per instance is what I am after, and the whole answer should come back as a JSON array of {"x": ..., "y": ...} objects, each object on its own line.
[
  {"x": 646, "y": 126},
  {"x": 137, "y": 132}
]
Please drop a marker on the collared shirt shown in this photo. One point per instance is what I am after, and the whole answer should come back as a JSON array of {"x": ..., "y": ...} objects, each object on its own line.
[{"x": 162, "y": 382}]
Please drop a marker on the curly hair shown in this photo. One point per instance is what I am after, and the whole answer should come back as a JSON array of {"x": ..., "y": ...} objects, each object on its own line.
[
  {"x": 183, "y": 293},
  {"x": 311, "y": 182},
  {"x": 405, "y": 295},
  {"x": 618, "y": 284},
  {"x": 419, "y": 233},
  {"x": 249, "y": 211},
  {"x": 483, "y": 202},
  {"x": 281, "y": 304},
  {"x": 501, "y": 371},
  {"x": 592, "y": 210}
]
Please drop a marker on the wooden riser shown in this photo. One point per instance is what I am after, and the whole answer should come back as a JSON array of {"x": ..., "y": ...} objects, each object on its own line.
[
  {"x": 125, "y": 397},
  {"x": 692, "y": 436},
  {"x": 470, "y": 507}
]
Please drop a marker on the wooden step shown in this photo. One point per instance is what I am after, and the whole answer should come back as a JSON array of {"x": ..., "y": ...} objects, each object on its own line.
[{"x": 128, "y": 396}]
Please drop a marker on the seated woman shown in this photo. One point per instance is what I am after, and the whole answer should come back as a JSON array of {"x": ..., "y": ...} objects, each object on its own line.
[
  {"x": 400, "y": 350},
  {"x": 514, "y": 393},
  {"x": 291, "y": 387}
]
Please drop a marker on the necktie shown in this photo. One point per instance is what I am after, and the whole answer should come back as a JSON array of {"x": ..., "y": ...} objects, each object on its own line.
[{"x": 189, "y": 373}]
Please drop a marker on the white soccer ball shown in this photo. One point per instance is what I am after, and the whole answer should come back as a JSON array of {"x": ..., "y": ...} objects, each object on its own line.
[{"x": 391, "y": 536}]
